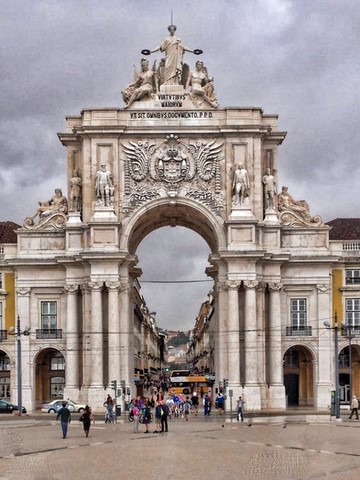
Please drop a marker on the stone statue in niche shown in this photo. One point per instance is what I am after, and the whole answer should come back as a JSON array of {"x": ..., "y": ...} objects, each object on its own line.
[
  {"x": 56, "y": 206},
  {"x": 269, "y": 183},
  {"x": 202, "y": 87},
  {"x": 174, "y": 50},
  {"x": 241, "y": 185},
  {"x": 295, "y": 212},
  {"x": 75, "y": 192},
  {"x": 104, "y": 187},
  {"x": 145, "y": 84}
]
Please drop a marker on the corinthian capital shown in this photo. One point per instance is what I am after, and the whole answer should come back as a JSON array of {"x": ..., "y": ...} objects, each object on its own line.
[
  {"x": 95, "y": 285},
  {"x": 113, "y": 286},
  {"x": 232, "y": 284},
  {"x": 71, "y": 288},
  {"x": 324, "y": 288},
  {"x": 275, "y": 287},
  {"x": 250, "y": 284},
  {"x": 124, "y": 286}
]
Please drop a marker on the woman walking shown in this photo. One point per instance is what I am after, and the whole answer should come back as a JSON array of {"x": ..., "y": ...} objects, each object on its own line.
[{"x": 87, "y": 418}]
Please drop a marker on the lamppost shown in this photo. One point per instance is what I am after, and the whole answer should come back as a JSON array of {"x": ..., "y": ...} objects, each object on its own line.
[
  {"x": 18, "y": 334},
  {"x": 349, "y": 336},
  {"x": 335, "y": 328}
]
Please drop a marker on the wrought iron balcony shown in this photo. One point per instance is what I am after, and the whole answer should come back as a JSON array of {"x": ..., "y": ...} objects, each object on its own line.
[
  {"x": 46, "y": 333},
  {"x": 350, "y": 331},
  {"x": 302, "y": 331},
  {"x": 3, "y": 335}
]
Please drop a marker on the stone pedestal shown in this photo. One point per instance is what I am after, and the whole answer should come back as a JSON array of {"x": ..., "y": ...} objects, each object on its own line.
[
  {"x": 252, "y": 396},
  {"x": 276, "y": 399},
  {"x": 104, "y": 214},
  {"x": 74, "y": 219},
  {"x": 271, "y": 217}
]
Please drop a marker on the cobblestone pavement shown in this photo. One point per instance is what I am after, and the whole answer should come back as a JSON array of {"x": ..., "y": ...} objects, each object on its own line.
[{"x": 282, "y": 448}]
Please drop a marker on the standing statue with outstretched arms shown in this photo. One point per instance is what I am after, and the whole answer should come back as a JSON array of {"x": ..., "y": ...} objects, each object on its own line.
[{"x": 174, "y": 49}]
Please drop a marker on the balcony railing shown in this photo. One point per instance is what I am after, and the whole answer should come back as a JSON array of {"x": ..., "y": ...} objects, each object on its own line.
[
  {"x": 351, "y": 331},
  {"x": 46, "y": 333},
  {"x": 295, "y": 331},
  {"x": 3, "y": 335}
]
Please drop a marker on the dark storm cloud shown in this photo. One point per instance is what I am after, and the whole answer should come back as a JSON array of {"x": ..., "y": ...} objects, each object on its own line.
[{"x": 298, "y": 59}]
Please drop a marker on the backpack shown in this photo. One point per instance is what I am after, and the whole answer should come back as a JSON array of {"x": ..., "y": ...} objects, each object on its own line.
[{"x": 186, "y": 408}]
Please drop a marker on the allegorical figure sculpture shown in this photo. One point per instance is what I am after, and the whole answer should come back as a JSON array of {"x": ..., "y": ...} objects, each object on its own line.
[
  {"x": 286, "y": 202},
  {"x": 104, "y": 187},
  {"x": 241, "y": 185},
  {"x": 57, "y": 204},
  {"x": 144, "y": 85},
  {"x": 202, "y": 87},
  {"x": 269, "y": 190},
  {"x": 75, "y": 192},
  {"x": 174, "y": 49}
]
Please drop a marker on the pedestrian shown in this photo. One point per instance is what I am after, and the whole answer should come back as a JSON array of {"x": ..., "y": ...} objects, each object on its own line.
[
  {"x": 195, "y": 403},
  {"x": 220, "y": 401},
  {"x": 158, "y": 414},
  {"x": 186, "y": 409},
  {"x": 136, "y": 414},
  {"x": 354, "y": 407},
  {"x": 206, "y": 405},
  {"x": 65, "y": 418},
  {"x": 146, "y": 415},
  {"x": 87, "y": 418},
  {"x": 240, "y": 409},
  {"x": 164, "y": 416},
  {"x": 109, "y": 404}
]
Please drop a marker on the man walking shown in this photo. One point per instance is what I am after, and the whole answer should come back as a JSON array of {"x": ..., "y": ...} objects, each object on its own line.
[
  {"x": 354, "y": 407},
  {"x": 65, "y": 418},
  {"x": 240, "y": 409}
]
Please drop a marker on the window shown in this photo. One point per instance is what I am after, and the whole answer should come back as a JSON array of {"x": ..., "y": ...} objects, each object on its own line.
[
  {"x": 57, "y": 385},
  {"x": 298, "y": 313},
  {"x": 4, "y": 362},
  {"x": 352, "y": 277},
  {"x": 292, "y": 358},
  {"x": 48, "y": 315},
  {"x": 5, "y": 387},
  {"x": 57, "y": 361},
  {"x": 353, "y": 312}
]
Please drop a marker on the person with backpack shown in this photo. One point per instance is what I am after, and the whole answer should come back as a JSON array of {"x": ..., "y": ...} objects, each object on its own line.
[
  {"x": 186, "y": 409},
  {"x": 220, "y": 401}
]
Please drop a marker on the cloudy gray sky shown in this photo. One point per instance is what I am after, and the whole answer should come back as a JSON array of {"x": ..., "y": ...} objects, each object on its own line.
[{"x": 299, "y": 59}]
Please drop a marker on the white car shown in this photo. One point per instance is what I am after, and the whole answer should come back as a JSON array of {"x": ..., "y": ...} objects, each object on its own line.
[{"x": 55, "y": 405}]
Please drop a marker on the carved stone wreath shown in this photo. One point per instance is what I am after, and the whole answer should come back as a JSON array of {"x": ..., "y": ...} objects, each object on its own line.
[{"x": 172, "y": 168}]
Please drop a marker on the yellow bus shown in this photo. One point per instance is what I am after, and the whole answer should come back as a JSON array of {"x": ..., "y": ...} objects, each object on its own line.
[{"x": 188, "y": 384}]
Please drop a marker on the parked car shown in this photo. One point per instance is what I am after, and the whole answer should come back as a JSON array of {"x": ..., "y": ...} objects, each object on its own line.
[
  {"x": 7, "y": 407},
  {"x": 55, "y": 405}
]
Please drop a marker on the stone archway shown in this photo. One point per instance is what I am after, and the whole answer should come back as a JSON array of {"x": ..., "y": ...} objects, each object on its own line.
[
  {"x": 299, "y": 376},
  {"x": 49, "y": 375},
  {"x": 349, "y": 373}
]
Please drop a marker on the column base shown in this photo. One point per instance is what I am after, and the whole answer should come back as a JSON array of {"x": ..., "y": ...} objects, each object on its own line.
[
  {"x": 323, "y": 396},
  {"x": 275, "y": 398},
  {"x": 252, "y": 396},
  {"x": 72, "y": 393},
  {"x": 97, "y": 396}
]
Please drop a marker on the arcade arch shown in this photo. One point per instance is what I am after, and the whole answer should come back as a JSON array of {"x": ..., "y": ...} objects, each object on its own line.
[
  {"x": 49, "y": 375},
  {"x": 5, "y": 375},
  {"x": 349, "y": 372},
  {"x": 299, "y": 376}
]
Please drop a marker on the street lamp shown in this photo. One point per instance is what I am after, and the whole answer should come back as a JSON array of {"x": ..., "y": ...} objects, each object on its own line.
[
  {"x": 335, "y": 328},
  {"x": 349, "y": 336},
  {"x": 18, "y": 334}
]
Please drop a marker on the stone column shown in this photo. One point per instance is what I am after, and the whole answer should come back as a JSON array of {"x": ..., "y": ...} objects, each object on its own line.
[
  {"x": 72, "y": 344},
  {"x": 27, "y": 366},
  {"x": 252, "y": 387},
  {"x": 125, "y": 332},
  {"x": 276, "y": 385},
  {"x": 86, "y": 333},
  {"x": 233, "y": 339},
  {"x": 114, "y": 332},
  {"x": 221, "y": 360},
  {"x": 96, "y": 336},
  {"x": 322, "y": 375}
]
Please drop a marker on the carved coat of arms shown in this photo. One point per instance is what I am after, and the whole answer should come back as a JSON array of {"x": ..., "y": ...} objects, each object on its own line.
[{"x": 153, "y": 170}]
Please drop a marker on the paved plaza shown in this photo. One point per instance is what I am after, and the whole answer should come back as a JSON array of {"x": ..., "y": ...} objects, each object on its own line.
[{"x": 276, "y": 448}]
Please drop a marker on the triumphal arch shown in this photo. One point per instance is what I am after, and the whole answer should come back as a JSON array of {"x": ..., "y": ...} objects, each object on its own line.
[{"x": 170, "y": 156}]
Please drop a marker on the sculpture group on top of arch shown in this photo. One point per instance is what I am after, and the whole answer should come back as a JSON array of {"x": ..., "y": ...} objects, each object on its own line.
[{"x": 171, "y": 72}]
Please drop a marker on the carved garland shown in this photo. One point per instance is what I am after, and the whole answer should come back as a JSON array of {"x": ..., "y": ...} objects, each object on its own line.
[{"x": 172, "y": 168}]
